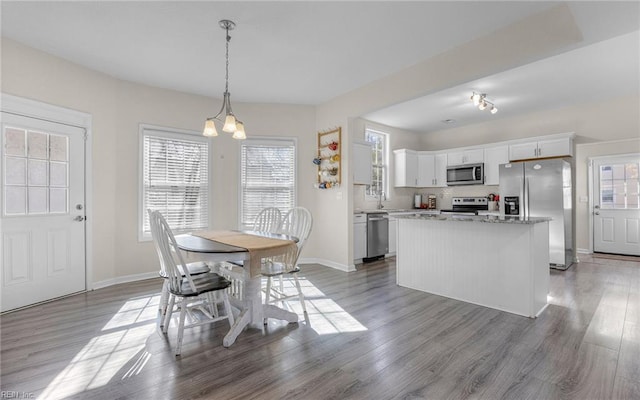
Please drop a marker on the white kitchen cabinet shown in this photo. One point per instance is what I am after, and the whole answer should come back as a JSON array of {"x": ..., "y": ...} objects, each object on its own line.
[
  {"x": 426, "y": 170},
  {"x": 393, "y": 242},
  {"x": 493, "y": 157},
  {"x": 362, "y": 169},
  {"x": 440, "y": 170},
  {"x": 359, "y": 236},
  {"x": 406, "y": 168},
  {"x": 471, "y": 156},
  {"x": 432, "y": 170},
  {"x": 541, "y": 149},
  {"x": 420, "y": 169}
]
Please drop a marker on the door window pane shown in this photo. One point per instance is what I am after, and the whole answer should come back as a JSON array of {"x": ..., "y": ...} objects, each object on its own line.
[
  {"x": 619, "y": 186},
  {"x": 58, "y": 148},
  {"x": 37, "y": 200},
  {"x": 57, "y": 200},
  {"x": 58, "y": 174},
  {"x": 14, "y": 142},
  {"x": 37, "y": 173},
  {"x": 15, "y": 200},
  {"x": 37, "y": 145},
  {"x": 16, "y": 171}
]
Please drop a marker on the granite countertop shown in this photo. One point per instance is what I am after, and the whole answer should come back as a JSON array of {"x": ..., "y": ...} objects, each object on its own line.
[
  {"x": 494, "y": 219},
  {"x": 397, "y": 210}
]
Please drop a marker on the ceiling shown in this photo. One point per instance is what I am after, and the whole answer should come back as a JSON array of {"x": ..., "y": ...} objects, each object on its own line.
[{"x": 312, "y": 52}]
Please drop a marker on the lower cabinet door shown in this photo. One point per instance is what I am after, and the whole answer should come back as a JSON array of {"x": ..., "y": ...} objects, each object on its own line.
[
  {"x": 359, "y": 241},
  {"x": 393, "y": 227}
]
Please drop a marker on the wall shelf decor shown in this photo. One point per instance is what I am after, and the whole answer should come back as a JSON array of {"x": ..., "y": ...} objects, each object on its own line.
[{"x": 328, "y": 159}]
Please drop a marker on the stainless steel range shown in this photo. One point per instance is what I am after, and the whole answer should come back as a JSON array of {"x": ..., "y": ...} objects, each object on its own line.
[{"x": 467, "y": 205}]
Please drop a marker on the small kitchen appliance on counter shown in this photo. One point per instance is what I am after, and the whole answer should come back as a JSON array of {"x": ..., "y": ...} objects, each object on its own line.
[{"x": 467, "y": 205}]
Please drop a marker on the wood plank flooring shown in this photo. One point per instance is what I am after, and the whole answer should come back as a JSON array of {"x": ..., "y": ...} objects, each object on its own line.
[{"x": 365, "y": 338}]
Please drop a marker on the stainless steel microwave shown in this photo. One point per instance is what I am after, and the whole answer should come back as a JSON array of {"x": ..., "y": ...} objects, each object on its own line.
[{"x": 468, "y": 174}]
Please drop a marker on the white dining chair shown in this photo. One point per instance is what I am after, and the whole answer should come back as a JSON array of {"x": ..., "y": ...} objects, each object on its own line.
[
  {"x": 197, "y": 296},
  {"x": 268, "y": 220},
  {"x": 297, "y": 222},
  {"x": 194, "y": 268}
]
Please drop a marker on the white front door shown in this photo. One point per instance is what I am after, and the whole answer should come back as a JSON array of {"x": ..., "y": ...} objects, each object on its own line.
[
  {"x": 42, "y": 218},
  {"x": 616, "y": 213}
]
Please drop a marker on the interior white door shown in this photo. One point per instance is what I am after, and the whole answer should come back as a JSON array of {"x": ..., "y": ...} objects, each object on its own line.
[
  {"x": 616, "y": 213},
  {"x": 42, "y": 221}
]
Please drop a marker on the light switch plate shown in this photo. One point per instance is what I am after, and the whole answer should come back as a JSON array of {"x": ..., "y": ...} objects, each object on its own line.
[
  {"x": 338, "y": 195},
  {"x": 583, "y": 199}
]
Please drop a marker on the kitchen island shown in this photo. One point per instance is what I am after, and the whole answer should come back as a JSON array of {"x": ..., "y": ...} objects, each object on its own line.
[{"x": 494, "y": 261}]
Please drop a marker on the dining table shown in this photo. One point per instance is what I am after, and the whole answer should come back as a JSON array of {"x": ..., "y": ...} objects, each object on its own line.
[{"x": 248, "y": 248}]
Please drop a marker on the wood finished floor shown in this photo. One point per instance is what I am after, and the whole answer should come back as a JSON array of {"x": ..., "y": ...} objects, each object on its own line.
[{"x": 366, "y": 338}]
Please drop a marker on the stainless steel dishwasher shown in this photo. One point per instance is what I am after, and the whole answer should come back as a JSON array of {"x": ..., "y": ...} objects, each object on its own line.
[{"x": 377, "y": 235}]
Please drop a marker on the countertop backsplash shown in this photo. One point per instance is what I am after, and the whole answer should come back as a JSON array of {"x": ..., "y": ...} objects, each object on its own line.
[{"x": 402, "y": 198}]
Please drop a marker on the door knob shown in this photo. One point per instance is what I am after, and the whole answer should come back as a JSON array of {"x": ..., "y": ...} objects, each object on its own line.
[
  {"x": 597, "y": 213},
  {"x": 596, "y": 206},
  {"x": 79, "y": 218}
]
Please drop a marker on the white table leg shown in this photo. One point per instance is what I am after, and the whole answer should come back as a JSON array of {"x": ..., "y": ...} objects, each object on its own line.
[
  {"x": 254, "y": 312},
  {"x": 271, "y": 311},
  {"x": 238, "y": 326}
]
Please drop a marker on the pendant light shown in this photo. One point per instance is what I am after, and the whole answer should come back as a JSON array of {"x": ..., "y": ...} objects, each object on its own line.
[{"x": 230, "y": 124}]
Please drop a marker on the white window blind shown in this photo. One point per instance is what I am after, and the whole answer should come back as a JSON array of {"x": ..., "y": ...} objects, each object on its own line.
[
  {"x": 267, "y": 177},
  {"x": 175, "y": 179}
]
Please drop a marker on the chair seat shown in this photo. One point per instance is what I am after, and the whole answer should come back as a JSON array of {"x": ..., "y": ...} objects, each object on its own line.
[
  {"x": 195, "y": 268},
  {"x": 204, "y": 283},
  {"x": 276, "y": 268}
]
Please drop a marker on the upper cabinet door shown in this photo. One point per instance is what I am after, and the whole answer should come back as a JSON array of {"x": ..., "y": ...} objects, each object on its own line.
[
  {"x": 362, "y": 168},
  {"x": 440, "y": 165},
  {"x": 523, "y": 151},
  {"x": 541, "y": 149},
  {"x": 493, "y": 157},
  {"x": 473, "y": 156},
  {"x": 405, "y": 168},
  {"x": 555, "y": 147},
  {"x": 426, "y": 170}
]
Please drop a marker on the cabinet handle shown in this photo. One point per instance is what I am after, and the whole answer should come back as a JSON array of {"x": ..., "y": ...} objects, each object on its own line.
[{"x": 539, "y": 152}]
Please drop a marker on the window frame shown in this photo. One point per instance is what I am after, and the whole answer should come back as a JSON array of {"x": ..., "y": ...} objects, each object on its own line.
[
  {"x": 179, "y": 134},
  {"x": 385, "y": 165},
  {"x": 268, "y": 141}
]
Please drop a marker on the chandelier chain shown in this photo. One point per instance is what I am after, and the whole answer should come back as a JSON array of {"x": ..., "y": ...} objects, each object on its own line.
[{"x": 226, "y": 87}]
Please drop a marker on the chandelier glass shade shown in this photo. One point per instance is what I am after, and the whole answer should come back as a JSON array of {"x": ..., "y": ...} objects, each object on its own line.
[{"x": 225, "y": 116}]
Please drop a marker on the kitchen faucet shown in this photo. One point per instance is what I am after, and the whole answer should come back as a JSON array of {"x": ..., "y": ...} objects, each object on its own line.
[{"x": 380, "y": 195}]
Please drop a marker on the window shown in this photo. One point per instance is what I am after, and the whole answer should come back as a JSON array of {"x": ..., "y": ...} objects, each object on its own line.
[
  {"x": 174, "y": 178},
  {"x": 36, "y": 173},
  {"x": 267, "y": 177},
  {"x": 379, "y": 159},
  {"x": 619, "y": 186}
]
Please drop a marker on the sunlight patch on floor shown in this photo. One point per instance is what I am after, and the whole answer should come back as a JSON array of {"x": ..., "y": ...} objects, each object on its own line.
[
  {"x": 325, "y": 315},
  {"x": 100, "y": 360}
]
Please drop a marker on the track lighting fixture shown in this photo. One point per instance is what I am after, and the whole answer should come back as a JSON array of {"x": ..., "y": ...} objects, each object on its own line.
[{"x": 480, "y": 101}]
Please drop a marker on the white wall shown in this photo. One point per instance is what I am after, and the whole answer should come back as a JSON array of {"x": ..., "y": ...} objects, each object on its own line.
[
  {"x": 584, "y": 151},
  {"x": 117, "y": 108}
]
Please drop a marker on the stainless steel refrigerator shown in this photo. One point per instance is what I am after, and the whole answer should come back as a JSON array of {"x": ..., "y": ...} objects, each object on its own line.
[{"x": 542, "y": 189}]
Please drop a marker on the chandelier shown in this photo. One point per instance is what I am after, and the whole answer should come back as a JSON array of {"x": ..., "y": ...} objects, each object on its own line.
[
  {"x": 480, "y": 101},
  {"x": 230, "y": 124}
]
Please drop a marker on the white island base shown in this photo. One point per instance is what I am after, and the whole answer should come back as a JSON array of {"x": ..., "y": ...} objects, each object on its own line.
[{"x": 502, "y": 264}]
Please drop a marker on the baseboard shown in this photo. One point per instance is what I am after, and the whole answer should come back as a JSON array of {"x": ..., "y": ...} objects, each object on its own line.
[
  {"x": 124, "y": 279},
  {"x": 327, "y": 263},
  {"x": 583, "y": 251}
]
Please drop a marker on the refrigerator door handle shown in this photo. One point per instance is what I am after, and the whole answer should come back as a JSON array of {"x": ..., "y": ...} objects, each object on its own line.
[
  {"x": 522, "y": 203},
  {"x": 526, "y": 198}
]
